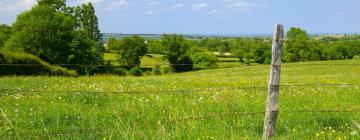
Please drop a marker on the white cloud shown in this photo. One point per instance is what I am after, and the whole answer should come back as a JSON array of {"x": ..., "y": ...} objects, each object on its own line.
[
  {"x": 243, "y": 6},
  {"x": 199, "y": 6},
  {"x": 177, "y": 6},
  {"x": 92, "y": 1},
  {"x": 216, "y": 12},
  {"x": 151, "y": 12},
  {"x": 117, "y": 4},
  {"x": 153, "y": 3},
  {"x": 16, "y": 5}
]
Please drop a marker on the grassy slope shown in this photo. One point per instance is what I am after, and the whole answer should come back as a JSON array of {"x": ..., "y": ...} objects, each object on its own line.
[
  {"x": 146, "y": 61},
  {"x": 155, "y": 115}
]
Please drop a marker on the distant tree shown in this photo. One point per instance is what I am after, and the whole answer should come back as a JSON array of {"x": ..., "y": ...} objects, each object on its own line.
[
  {"x": 177, "y": 52},
  {"x": 155, "y": 47},
  {"x": 296, "y": 47},
  {"x": 262, "y": 53},
  {"x": 130, "y": 50},
  {"x": 5, "y": 32},
  {"x": 204, "y": 60}
]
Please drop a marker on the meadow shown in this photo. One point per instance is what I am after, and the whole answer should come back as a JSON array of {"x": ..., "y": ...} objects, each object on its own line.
[{"x": 207, "y": 104}]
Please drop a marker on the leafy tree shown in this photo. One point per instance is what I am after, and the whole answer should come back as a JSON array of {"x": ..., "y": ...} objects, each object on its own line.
[
  {"x": 204, "y": 60},
  {"x": 130, "y": 50},
  {"x": 50, "y": 30},
  {"x": 58, "y": 5},
  {"x": 5, "y": 32},
  {"x": 262, "y": 53},
  {"x": 296, "y": 47},
  {"x": 88, "y": 21},
  {"x": 155, "y": 47},
  {"x": 177, "y": 52},
  {"x": 44, "y": 32}
]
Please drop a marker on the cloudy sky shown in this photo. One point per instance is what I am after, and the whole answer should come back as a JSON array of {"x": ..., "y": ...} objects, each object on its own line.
[{"x": 212, "y": 16}]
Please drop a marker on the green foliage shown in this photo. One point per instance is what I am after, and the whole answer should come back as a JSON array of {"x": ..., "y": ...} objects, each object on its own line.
[
  {"x": 58, "y": 34},
  {"x": 88, "y": 21},
  {"x": 29, "y": 65},
  {"x": 296, "y": 47},
  {"x": 177, "y": 50},
  {"x": 155, "y": 47},
  {"x": 130, "y": 50},
  {"x": 136, "y": 71},
  {"x": 5, "y": 32},
  {"x": 356, "y": 57},
  {"x": 216, "y": 45},
  {"x": 248, "y": 50},
  {"x": 157, "y": 70},
  {"x": 204, "y": 60},
  {"x": 43, "y": 33}
]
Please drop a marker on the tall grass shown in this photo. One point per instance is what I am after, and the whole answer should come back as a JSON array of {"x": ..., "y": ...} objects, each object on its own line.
[{"x": 195, "y": 105}]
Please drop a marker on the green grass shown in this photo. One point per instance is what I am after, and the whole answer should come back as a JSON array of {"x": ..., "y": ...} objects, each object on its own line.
[
  {"x": 95, "y": 108},
  {"x": 148, "y": 61},
  {"x": 230, "y": 59}
]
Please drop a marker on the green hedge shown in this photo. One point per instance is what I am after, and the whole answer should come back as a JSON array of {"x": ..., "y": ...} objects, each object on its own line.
[{"x": 27, "y": 64}]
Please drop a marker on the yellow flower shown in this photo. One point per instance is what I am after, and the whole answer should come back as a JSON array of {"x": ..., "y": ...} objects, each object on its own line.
[{"x": 317, "y": 134}]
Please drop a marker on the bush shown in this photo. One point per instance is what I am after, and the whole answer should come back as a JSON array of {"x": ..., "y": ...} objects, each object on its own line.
[
  {"x": 157, "y": 70},
  {"x": 135, "y": 71},
  {"x": 203, "y": 60},
  {"x": 30, "y": 65},
  {"x": 166, "y": 70},
  {"x": 356, "y": 57}
]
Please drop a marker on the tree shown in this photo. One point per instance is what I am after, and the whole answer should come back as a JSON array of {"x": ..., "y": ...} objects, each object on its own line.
[
  {"x": 296, "y": 47},
  {"x": 44, "y": 32},
  {"x": 262, "y": 53},
  {"x": 177, "y": 52},
  {"x": 88, "y": 21},
  {"x": 51, "y": 31},
  {"x": 58, "y": 5},
  {"x": 204, "y": 60},
  {"x": 155, "y": 47},
  {"x": 5, "y": 32},
  {"x": 130, "y": 50}
]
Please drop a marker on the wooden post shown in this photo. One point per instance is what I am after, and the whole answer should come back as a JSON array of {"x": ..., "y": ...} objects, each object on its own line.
[{"x": 274, "y": 84}]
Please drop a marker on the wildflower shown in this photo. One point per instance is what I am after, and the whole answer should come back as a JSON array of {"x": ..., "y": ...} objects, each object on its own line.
[{"x": 317, "y": 134}]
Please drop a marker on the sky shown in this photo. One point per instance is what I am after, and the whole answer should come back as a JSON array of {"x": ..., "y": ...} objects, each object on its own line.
[{"x": 212, "y": 16}]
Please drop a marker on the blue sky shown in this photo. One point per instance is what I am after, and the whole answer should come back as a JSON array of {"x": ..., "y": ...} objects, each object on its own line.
[{"x": 212, "y": 16}]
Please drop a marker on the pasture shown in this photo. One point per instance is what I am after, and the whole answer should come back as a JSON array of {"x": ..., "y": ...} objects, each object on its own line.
[{"x": 227, "y": 103}]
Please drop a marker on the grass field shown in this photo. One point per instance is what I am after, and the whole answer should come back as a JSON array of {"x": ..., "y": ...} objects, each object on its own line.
[{"x": 195, "y": 105}]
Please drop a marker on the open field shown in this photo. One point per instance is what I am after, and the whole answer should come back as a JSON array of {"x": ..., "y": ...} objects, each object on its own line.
[{"x": 196, "y": 105}]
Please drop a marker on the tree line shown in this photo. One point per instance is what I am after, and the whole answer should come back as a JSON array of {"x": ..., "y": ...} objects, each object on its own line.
[{"x": 60, "y": 34}]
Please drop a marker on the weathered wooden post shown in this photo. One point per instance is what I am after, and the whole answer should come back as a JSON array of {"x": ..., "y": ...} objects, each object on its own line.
[{"x": 274, "y": 84}]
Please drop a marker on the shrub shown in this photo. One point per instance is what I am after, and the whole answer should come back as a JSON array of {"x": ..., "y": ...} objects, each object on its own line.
[
  {"x": 356, "y": 57},
  {"x": 166, "y": 70},
  {"x": 203, "y": 60},
  {"x": 157, "y": 70},
  {"x": 135, "y": 71},
  {"x": 30, "y": 65},
  {"x": 119, "y": 71}
]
